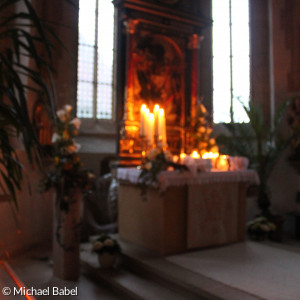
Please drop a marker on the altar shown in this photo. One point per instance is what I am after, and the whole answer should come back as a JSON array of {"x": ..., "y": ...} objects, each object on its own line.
[{"x": 188, "y": 212}]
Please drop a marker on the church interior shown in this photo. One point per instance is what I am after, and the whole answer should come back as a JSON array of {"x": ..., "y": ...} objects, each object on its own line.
[{"x": 150, "y": 149}]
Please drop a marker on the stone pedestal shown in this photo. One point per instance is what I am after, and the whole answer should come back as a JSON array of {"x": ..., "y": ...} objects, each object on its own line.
[{"x": 66, "y": 238}]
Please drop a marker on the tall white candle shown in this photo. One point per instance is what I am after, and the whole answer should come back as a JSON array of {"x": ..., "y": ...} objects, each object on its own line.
[
  {"x": 156, "y": 120},
  {"x": 151, "y": 128},
  {"x": 142, "y": 118},
  {"x": 162, "y": 126},
  {"x": 147, "y": 133}
]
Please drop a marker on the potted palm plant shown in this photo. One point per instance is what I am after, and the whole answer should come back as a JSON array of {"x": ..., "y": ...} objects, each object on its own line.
[
  {"x": 22, "y": 72},
  {"x": 262, "y": 144}
]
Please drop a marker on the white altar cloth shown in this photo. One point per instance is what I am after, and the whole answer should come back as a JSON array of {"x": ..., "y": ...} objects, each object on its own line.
[{"x": 176, "y": 178}]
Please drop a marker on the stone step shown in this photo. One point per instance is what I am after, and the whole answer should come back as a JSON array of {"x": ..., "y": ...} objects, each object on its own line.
[
  {"x": 131, "y": 285},
  {"x": 142, "y": 274},
  {"x": 141, "y": 261}
]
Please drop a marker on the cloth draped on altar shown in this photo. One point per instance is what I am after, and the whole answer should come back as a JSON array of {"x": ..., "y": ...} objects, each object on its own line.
[{"x": 176, "y": 178}]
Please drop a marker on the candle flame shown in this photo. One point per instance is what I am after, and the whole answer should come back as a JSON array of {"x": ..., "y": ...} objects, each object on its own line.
[
  {"x": 156, "y": 108},
  {"x": 151, "y": 116},
  {"x": 210, "y": 155},
  {"x": 195, "y": 154},
  {"x": 143, "y": 107},
  {"x": 161, "y": 112}
]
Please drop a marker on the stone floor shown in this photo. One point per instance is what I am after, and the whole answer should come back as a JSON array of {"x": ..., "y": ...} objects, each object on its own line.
[{"x": 35, "y": 270}]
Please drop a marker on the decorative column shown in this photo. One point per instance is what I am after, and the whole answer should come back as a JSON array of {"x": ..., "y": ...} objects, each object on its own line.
[
  {"x": 130, "y": 126},
  {"x": 194, "y": 46}
]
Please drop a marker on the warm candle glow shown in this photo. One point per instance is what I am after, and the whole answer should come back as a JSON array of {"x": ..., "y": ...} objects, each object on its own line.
[
  {"x": 195, "y": 154},
  {"x": 222, "y": 163},
  {"x": 210, "y": 155},
  {"x": 181, "y": 157},
  {"x": 151, "y": 126},
  {"x": 143, "y": 120},
  {"x": 162, "y": 126}
]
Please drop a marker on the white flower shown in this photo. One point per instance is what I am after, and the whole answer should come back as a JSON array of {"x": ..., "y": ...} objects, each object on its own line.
[
  {"x": 108, "y": 243},
  {"x": 67, "y": 108},
  {"x": 148, "y": 165},
  {"x": 55, "y": 137},
  {"x": 76, "y": 122},
  {"x": 61, "y": 115},
  {"x": 73, "y": 148},
  {"x": 97, "y": 245}
]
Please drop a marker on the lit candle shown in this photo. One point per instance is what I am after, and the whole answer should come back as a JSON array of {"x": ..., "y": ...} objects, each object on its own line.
[
  {"x": 147, "y": 125},
  {"x": 182, "y": 156},
  {"x": 195, "y": 154},
  {"x": 151, "y": 128},
  {"x": 142, "y": 117},
  {"x": 156, "y": 120},
  {"x": 222, "y": 163},
  {"x": 162, "y": 126},
  {"x": 211, "y": 155}
]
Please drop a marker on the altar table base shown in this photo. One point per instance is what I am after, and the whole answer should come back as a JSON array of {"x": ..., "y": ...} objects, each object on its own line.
[
  {"x": 158, "y": 223},
  {"x": 204, "y": 212}
]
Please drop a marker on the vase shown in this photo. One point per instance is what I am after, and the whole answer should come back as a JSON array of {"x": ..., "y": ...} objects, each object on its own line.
[
  {"x": 107, "y": 260},
  {"x": 66, "y": 236}
]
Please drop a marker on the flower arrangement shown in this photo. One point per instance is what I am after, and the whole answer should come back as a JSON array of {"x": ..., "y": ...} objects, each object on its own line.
[
  {"x": 158, "y": 159},
  {"x": 67, "y": 172},
  {"x": 105, "y": 244},
  {"x": 202, "y": 132},
  {"x": 260, "y": 228}
]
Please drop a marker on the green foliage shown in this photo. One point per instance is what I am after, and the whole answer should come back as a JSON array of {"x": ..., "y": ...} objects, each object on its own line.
[
  {"x": 260, "y": 228},
  {"x": 157, "y": 160},
  {"x": 67, "y": 172},
  {"x": 105, "y": 244},
  {"x": 261, "y": 143},
  {"x": 25, "y": 69}
]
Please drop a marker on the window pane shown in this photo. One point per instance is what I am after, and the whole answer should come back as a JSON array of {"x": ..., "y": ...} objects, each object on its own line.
[
  {"x": 87, "y": 22},
  {"x": 221, "y": 61},
  {"x": 104, "y": 107},
  {"x": 105, "y": 62},
  {"x": 84, "y": 99},
  {"x": 85, "y": 63},
  {"x": 95, "y": 103},
  {"x": 240, "y": 62}
]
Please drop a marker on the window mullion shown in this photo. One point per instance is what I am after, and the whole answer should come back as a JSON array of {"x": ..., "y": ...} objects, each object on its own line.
[{"x": 95, "y": 82}]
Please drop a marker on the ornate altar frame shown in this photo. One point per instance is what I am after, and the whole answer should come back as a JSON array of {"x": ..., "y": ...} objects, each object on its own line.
[{"x": 158, "y": 46}]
